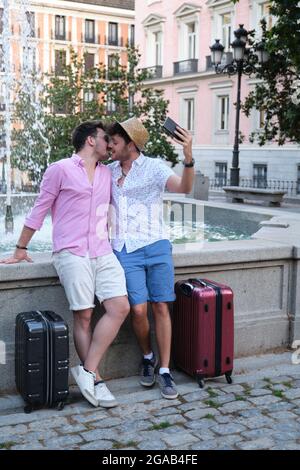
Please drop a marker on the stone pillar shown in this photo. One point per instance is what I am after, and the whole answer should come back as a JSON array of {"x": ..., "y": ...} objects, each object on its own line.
[{"x": 201, "y": 187}]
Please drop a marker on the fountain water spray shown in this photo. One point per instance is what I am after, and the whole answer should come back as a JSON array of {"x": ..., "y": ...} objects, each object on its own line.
[
  {"x": 7, "y": 90},
  {"x": 30, "y": 86}
]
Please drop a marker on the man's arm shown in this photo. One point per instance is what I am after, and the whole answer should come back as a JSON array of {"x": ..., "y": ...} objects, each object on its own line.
[
  {"x": 184, "y": 184},
  {"x": 50, "y": 188},
  {"x": 20, "y": 254}
]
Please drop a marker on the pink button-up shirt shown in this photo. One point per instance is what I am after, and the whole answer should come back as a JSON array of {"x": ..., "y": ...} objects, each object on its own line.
[{"x": 78, "y": 208}]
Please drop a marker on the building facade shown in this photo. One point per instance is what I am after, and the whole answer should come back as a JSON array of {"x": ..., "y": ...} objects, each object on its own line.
[
  {"x": 96, "y": 28},
  {"x": 175, "y": 39}
]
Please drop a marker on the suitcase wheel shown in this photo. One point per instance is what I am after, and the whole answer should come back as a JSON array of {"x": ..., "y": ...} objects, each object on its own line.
[
  {"x": 28, "y": 409},
  {"x": 200, "y": 381},
  {"x": 228, "y": 378},
  {"x": 60, "y": 405}
]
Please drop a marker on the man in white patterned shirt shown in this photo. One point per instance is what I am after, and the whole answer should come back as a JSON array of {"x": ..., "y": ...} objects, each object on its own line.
[{"x": 140, "y": 241}]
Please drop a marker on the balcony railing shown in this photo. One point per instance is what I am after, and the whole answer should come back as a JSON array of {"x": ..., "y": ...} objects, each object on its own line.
[
  {"x": 156, "y": 71},
  {"x": 186, "y": 66},
  {"x": 226, "y": 59},
  {"x": 291, "y": 187},
  {"x": 112, "y": 41}
]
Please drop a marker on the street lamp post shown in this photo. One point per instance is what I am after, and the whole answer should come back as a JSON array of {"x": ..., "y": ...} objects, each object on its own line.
[{"x": 244, "y": 61}]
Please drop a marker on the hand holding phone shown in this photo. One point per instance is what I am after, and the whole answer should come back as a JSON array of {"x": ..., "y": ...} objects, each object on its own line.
[{"x": 169, "y": 127}]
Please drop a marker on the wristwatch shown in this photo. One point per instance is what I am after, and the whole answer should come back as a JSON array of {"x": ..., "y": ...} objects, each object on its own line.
[{"x": 189, "y": 165}]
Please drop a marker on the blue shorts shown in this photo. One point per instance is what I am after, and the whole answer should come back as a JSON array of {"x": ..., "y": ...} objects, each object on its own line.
[{"x": 149, "y": 273}]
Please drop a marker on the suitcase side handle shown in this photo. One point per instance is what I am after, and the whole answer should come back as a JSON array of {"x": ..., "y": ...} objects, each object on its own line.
[{"x": 186, "y": 288}]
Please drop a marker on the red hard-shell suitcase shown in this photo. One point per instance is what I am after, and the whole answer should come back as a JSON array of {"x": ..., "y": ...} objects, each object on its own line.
[
  {"x": 41, "y": 359},
  {"x": 203, "y": 329}
]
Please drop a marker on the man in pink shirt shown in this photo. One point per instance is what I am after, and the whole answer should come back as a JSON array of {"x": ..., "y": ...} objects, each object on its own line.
[{"x": 77, "y": 191}]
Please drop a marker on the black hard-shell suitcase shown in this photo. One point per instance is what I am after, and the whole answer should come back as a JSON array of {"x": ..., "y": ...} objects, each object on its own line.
[{"x": 42, "y": 359}]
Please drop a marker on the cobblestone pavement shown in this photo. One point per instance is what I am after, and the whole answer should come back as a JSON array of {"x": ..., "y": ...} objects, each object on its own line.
[{"x": 260, "y": 410}]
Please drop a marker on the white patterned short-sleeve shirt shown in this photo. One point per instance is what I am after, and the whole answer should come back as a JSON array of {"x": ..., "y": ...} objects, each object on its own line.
[{"x": 136, "y": 218}]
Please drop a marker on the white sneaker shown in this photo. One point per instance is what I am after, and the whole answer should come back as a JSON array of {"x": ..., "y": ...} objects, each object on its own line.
[
  {"x": 104, "y": 396},
  {"x": 85, "y": 381}
]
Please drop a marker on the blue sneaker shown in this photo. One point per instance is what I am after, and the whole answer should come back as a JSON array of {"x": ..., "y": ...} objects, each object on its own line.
[
  {"x": 167, "y": 386},
  {"x": 148, "y": 371}
]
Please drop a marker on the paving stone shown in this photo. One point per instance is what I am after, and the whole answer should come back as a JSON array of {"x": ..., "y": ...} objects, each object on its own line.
[
  {"x": 136, "y": 426},
  {"x": 295, "y": 384},
  {"x": 48, "y": 423},
  {"x": 283, "y": 436},
  {"x": 62, "y": 442},
  {"x": 234, "y": 406},
  {"x": 8, "y": 431},
  {"x": 199, "y": 395},
  {"x": 284, "y": 416},
  {"x": 286, "y": 446},
  {"x": 258, "y": 392},
  {"x": 29, "y": 446},
  {"x": 280, "y": 388},
  {"x": 39, "y": 435},
  {"x": 230, "y": 397},
  {"x": 256, "y": 444},
  {"x": 199, "y": 424},
  {"x": 286, "y": 427},
  {"x": 249, "y": 413},
  {"x": 100, "y": 434},
  {"x": 265, "y": 400},
  {"x": 279, "y": 406},
  {"x": 223, "y": 419},
  {"x": 152, "y": 445},
  {"x": 72, "y": 428},
  {"x": 256, "y": 422},
  {"x": 239, "y": 389},
  {"x": 257, "y": 433},
  {"x": 231, "y": 428},
  {"x": 172, "y": 419},
  {"x": 280, "y": 379},
  {"x": 192, "y": 406},
  {"x": 97, "y": 445},
  {"x": 203, "y": 434},
  {"x": 181, "y": 439},
  {"x": 168, "y": 411},
  {"x": 201, "y": 413},
  {"x": 292, "y": 393},
  {"x": 90, "y": 417},
  {"x": 207, "y": 445}
]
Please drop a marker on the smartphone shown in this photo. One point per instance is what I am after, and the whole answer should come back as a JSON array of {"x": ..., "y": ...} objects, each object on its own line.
[{"x": 169, "y": 127}]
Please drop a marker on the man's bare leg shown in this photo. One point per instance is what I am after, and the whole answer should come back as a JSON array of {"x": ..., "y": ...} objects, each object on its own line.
[
  {"x": 141, "y": 327},
  {"x": 163, "y": 330},
  {"x": 105, "y": 331}
]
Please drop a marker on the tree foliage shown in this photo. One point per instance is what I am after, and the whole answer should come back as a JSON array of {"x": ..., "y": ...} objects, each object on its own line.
[
  {"x": 76, "y": 93},
  {"x": 278, "y": 91}
]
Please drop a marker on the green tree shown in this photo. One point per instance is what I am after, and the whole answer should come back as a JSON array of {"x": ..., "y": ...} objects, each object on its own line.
[
  {"x": 75, "y": 93},
  {"x": 278, "y": 93}
]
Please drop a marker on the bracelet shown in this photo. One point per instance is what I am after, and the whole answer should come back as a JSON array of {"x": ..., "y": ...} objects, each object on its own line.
[
  {"x": 21, "y": 247},
  {"x": 189, "y": 165}
]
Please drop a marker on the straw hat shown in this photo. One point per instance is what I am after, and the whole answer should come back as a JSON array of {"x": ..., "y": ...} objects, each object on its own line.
[{"x": 136, "y": 131}]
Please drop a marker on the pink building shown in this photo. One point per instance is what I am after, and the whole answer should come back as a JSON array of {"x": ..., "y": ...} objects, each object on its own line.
[{"x": 174, "y": 38}]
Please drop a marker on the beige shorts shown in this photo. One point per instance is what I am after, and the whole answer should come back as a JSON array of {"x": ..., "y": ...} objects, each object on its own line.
[{"x": 83, "y": 278}]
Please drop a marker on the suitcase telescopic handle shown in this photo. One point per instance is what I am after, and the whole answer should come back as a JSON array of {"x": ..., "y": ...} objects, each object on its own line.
[
  {"x": 198, "y": 281},
  {"x": 186, "y": 288}
]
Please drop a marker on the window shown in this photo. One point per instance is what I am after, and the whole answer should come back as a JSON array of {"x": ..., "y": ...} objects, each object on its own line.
[
  {"x": 221, "y": 173},
  {"x": 158, "y": 48},
  {"x": 60, "y": 61},
  {"x": 259, "y": 176},
  {"x": 226, "y": 30},
  {"x": 90, "y": 31},
  {"x": 265, "y": 13},
  {"x": 88, "y": 98},
  {"x": 1, "y": 20},
  {"x": 298, "y": 179},
  {"x": 29, "y": 55},
  {"x": 189, "y": 114},
  {"x": 60, "y": 27},
  {"x": 113, "y": 34},
  {"x": 1, "y": 59},
  {"x": 111, "y": 106},
  {"x": 31, "y": 22},
  {"x": 89, "y": 61},
  {"x": 112, "y": 66},
  {"x": 132, "y": 35},
  {"x": 191, "y": 40},
  {"x": 223, "y": 113}
]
